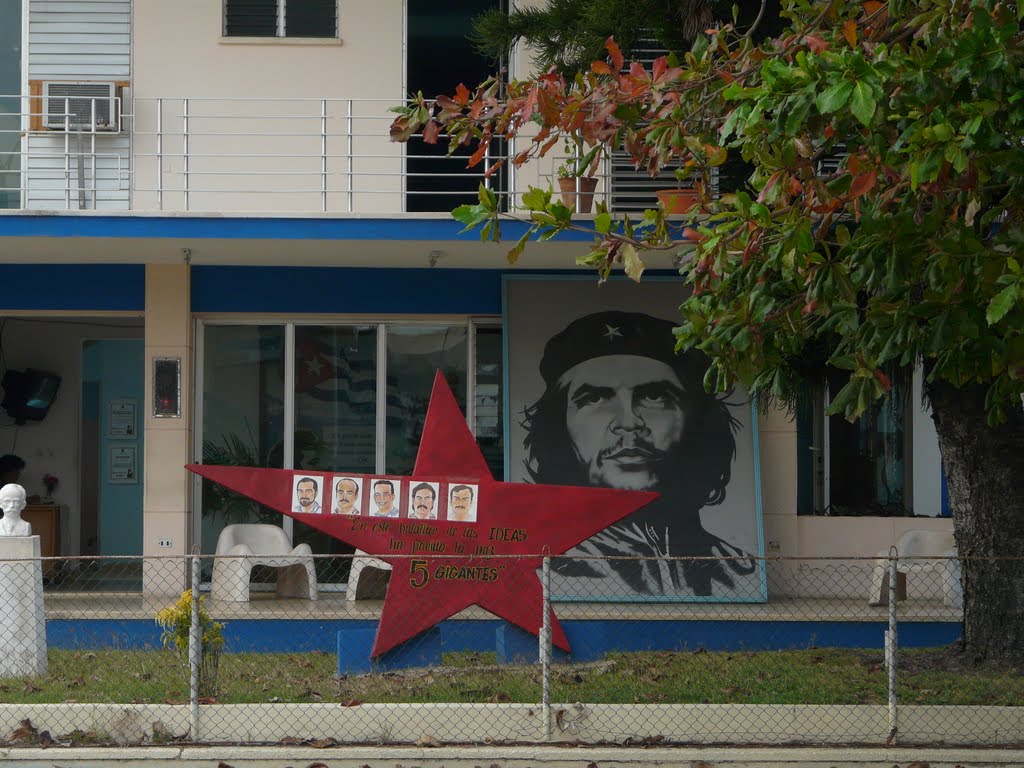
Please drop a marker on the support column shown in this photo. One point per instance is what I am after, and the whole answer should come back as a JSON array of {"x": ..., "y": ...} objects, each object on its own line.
[{"x": 168, "y": 441}]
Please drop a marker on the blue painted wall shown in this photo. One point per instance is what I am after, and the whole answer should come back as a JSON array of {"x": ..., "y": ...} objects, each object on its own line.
[
  {"x": 298, "y": 636},
  {"x": 113, "y": 287}
]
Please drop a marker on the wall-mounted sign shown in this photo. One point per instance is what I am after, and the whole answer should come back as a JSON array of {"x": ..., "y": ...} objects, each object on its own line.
[
  {"x": 123, "y": 467},
  {"x": 121, "y": 421}
]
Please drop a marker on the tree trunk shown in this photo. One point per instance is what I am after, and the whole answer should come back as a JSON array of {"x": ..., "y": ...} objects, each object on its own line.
[{"x": 985, "y": 476}]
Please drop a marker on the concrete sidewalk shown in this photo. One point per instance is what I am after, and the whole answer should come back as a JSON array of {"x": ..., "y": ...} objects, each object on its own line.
[{"x": 513, "y": 757}]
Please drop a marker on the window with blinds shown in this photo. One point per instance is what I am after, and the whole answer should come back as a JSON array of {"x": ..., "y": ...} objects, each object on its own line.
[{"x": 281, "y": 18}]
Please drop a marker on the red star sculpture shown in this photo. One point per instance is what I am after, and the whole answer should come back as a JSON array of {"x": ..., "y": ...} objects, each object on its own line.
[{"x": 489, "y": 561}]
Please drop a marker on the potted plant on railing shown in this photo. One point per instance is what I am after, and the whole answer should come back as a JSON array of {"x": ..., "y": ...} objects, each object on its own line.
[
  {"x": 576, "y": 180},
  {"x": 693, "y": 177}
]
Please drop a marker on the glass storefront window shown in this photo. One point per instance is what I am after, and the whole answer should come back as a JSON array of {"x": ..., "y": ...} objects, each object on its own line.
[
  {"x": 335, "y": 418},
  {"x": 243, "y": 417},
  {"x": 488, "y": 395},
  {"x": 337, "y": 422},
  {"x": 414, "y": 354}
]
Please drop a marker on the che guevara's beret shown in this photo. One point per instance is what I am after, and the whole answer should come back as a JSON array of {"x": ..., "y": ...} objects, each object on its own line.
[{"x": 608, "y": 333}]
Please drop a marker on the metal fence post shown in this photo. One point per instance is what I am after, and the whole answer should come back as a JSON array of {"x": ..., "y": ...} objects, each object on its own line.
[
  {"x": 545, "y": 647},
  {"x": 195, "y": 651},
  {"x": 892, "y": 641}
]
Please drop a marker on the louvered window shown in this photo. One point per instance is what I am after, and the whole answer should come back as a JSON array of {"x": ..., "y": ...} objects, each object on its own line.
[
  {"x": 281, "y": 18},
  {"x": 632, "y": 190}
]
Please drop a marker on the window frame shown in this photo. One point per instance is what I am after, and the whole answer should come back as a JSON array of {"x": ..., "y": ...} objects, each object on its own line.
[
  {"x": 280, "y": 26},
  {"x": 289, "y": 324},
  {"x": 821, "y": 469}
]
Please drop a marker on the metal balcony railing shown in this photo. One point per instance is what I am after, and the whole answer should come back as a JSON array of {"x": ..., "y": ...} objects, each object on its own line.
[
  {"x": 288, "y": 155},
  {"x": 230, "y": 154}
]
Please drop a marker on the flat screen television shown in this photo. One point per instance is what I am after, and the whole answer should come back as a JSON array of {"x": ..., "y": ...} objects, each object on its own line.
[{"x": 29, "y": 394}]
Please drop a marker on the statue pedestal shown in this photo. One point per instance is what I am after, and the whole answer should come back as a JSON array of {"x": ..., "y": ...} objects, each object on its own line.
[{"x": 22, "y": 623}]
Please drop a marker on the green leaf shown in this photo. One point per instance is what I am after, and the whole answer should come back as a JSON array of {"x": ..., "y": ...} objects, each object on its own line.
[
  {"x": 863, "y": 103},
  {"x": 517, "y": 251},
  {"x": 1001, "y": 303},
  {"x": 471, "y": 216},
  {"x": 536, "y": 199},
  {"x": 603, "y": 223},
  {"x": 834, "y": 98}
]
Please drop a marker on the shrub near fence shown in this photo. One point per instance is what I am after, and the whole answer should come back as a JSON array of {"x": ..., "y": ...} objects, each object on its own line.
[{"x": 834, "y": 654}]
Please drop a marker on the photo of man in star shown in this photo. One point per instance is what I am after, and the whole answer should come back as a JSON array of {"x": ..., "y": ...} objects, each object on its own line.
[
  {"x": 346, "y": 495},
  {"x": 384, "y": 498},
  {"x": 307, "y": 494},
  {"x": 423, "y": 501},
  {"x": 462, "y": 503}
]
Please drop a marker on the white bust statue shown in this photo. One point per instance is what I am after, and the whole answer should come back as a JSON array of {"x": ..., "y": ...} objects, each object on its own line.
[{"x": 12, "y": 501}]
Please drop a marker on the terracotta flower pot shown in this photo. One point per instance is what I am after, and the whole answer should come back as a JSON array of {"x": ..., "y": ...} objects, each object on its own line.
[
  {"x": 567, "y": 187},
  {"x": 676, "y": 201}
]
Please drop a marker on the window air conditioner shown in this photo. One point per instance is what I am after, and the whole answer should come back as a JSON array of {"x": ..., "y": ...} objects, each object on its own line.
[{"x": 70, "y": 106}]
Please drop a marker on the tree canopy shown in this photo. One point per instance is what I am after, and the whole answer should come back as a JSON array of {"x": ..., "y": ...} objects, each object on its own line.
[
  {"x": 909, "y": 250},
  {"x": 880, "y": 227}
]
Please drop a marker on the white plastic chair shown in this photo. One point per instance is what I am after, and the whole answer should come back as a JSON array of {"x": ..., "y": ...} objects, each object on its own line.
[
  {"x": 241, "y": 546},
  {"x": 368, "y": 579},
  {"x": 916, "y": 543}
]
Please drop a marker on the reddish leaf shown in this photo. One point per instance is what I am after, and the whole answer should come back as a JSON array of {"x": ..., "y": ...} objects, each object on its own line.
[
  {"x": 883, "y": 380},
  {"x": 862, "y": 184},
  {"x": 477, "y": 156},
  {"x": 816, "y": 44},
  {"x": 850, "y": 32},
  {"x": 447, "y": 102},
  {"x": 430, "y": 132},
  {"x": 601, "y": 68},
  {"x": 615, "y": 53},
  {"x": 659, "y": 68},
  {"x": 461, "y": 95}
]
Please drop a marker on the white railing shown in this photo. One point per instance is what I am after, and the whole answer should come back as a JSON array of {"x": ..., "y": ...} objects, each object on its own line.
[
  {"x": 289, "y": 155},
  {"x": 237, "y": 154}
]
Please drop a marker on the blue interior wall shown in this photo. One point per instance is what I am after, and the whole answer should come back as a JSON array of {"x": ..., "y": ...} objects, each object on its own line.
[{"x": 116, "y": 366}]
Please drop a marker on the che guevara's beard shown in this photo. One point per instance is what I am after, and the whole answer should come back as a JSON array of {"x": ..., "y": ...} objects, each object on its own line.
[{"x": 633, "y": 463}]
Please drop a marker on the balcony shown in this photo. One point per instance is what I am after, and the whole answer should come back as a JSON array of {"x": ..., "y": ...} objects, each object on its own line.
[
  {"x": 251, "y": 156},
  {"x": 297, "y": 156}
]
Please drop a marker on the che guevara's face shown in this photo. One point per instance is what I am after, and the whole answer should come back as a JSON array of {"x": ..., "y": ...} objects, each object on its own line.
[
  {"x": 624, "y": 414},
  {"x": 347, "y": 494}
]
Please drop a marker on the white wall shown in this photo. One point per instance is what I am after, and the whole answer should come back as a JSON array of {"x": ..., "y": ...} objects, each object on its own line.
[
  {"x": 179, "y": 52},
  {"x": 51, "y": 446}
]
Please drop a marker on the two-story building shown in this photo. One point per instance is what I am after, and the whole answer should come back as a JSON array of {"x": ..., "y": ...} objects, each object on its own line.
[{"x": 207, "y": 235}]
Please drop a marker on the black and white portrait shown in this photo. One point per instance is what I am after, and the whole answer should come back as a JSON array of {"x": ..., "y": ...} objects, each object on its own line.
[{"x": 598, "y": 396}]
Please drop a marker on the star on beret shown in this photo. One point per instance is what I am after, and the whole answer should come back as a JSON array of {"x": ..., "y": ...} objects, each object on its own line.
[{"x": 612, "y": 332}]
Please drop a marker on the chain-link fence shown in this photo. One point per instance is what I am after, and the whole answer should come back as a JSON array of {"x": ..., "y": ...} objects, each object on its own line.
[{"x": 773, "y": 650}]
